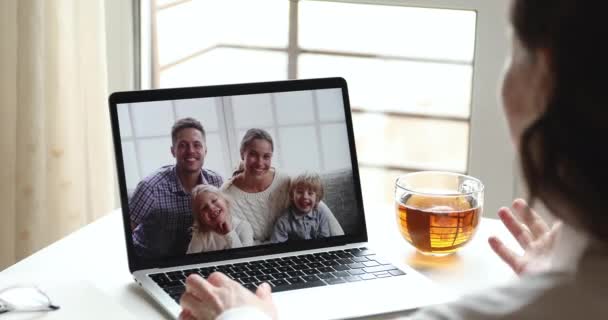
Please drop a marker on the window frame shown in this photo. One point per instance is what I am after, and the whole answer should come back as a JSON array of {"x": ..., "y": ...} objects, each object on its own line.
[{"x": 490, "y": 156}]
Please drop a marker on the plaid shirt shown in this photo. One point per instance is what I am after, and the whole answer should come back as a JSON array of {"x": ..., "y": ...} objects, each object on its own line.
[{"x": 162, "y": 211}]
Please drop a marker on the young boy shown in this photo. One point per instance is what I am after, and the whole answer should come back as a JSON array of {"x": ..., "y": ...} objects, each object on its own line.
[
  {"x": 214, "y": 228},
  {"x": 303, "y": 219}
]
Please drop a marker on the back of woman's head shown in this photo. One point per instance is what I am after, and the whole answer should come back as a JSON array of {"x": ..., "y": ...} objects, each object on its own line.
[{"x": 561, "y": 152}]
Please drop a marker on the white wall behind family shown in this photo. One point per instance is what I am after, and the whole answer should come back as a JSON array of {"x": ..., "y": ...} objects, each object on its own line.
[{"x": 308, "y": 128}]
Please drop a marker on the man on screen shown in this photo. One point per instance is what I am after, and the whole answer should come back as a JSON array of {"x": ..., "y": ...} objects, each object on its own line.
[{"x": 161, "y": 206}]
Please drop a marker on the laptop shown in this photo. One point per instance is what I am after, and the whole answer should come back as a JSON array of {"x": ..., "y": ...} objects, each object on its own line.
[{"x": 327, "y": 271}]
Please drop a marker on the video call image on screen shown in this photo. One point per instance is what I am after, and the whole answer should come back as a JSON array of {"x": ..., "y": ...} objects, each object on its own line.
[{"x": 227, "y": 172}]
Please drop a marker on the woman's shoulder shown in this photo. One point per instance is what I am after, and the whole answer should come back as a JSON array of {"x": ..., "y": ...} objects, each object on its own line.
[
  {"x": 230, "y": 186},
  {"x": 228, "y": 183}
]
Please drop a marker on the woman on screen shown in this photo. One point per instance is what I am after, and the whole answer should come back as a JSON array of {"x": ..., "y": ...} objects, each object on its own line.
[{"x": 260, "y": 192}]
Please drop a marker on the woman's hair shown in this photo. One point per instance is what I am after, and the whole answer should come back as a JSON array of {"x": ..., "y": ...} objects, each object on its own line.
[
  {"x": 307, "y": 180},
  {"x": 561, "y": 152},
  {"x": 197, "y": 191},
  {"x": 248, "y": 138}
]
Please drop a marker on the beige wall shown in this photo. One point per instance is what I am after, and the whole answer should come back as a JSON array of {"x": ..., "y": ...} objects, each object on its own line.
[
  {"x": 120, "y": 49},
  {"x": 120, "y": 39}
]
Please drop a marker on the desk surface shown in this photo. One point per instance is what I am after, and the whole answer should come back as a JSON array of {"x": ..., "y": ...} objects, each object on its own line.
[{"x": 96, "y": 255}]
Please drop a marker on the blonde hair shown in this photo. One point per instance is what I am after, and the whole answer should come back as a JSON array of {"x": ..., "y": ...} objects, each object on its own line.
[
  {"x": 308, "y": 180},
  {"x": 199, "y": 190}
]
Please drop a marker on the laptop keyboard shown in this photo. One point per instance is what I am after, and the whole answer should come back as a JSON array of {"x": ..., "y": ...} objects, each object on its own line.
[{"x": 290, "y": 273}]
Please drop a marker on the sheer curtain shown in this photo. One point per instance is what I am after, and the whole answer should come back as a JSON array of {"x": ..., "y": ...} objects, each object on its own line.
[{"x": 56, "y": 166}]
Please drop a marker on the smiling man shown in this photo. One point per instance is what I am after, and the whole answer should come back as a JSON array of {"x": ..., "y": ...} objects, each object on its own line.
[{"x": 161, "y": 206}]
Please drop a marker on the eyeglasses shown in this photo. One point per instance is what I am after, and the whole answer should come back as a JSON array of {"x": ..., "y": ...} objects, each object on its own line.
[{"x": 25, "y": 299}]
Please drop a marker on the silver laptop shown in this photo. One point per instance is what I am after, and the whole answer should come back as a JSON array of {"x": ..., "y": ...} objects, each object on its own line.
[{"x": 329, "y": 267}]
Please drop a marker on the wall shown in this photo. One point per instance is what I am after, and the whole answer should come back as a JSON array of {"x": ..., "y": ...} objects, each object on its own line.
[{"x": 120, "y": 49}]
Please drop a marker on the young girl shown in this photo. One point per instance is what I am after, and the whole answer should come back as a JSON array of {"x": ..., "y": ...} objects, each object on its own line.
[{"x": 214, "y": 228}]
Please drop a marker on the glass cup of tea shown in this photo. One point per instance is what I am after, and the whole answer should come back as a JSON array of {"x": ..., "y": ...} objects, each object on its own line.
[{"x": 438, "y": 212}]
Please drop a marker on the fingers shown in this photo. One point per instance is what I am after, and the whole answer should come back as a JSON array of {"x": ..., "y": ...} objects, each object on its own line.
[
  {"x": 220, "y": 229},
  {"x": 199, "y": 287},
  {"x": 552, "y": 234},
  {"x": 227, "y": 227},
  {"x": 518, "y": 230},
  {"x": 201, "y": 298},
  {"x": 506, "y": 254},
  {"x": 223, "y": 228},
  {"x": 219, "y": 279},
  {"x": 194, "y": 308},
  {"x": 264, "y": 292},
  {"x": 186, "y": 315},
  {"x": 537, "y": 226},
  {"x": 187, "y": 302}
]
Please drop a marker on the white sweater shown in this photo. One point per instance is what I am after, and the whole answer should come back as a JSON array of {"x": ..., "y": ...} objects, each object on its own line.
[
  {"x": 260, "y": 209},
  {"x": 241, "y": 235}
]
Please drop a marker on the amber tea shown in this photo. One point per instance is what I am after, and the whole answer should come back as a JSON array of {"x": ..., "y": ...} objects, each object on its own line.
[{"x": 436, "y": 224}]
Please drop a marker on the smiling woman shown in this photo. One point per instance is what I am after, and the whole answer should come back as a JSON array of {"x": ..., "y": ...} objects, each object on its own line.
[{"x": 258, "y": 190}]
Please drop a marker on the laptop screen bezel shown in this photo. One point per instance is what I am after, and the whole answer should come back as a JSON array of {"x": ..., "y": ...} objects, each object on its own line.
[{"x": 137, "y": 263}]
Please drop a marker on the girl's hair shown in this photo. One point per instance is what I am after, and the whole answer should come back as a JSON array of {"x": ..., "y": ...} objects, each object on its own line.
[
  {"x": 559, "y": 151},
  {"x": 199, "y": 190},
  {"x": 308, "y": 180},
  {"x": 250, "y": 135}
]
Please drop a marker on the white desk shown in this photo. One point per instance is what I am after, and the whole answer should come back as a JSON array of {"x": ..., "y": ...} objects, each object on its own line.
[{"x": 96, "y": 256}]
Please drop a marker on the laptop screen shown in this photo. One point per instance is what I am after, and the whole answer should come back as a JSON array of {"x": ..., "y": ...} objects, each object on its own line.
[{"x": 211, "y": 171}]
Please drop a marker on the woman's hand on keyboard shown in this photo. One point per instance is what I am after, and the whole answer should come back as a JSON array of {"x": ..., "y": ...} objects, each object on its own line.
[
  {"x": 532, "y": 233},
  {"x": 207, "y": 299}
]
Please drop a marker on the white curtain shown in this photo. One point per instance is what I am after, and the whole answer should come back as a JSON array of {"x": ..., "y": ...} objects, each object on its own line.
[{"x": 56, "y": 166}]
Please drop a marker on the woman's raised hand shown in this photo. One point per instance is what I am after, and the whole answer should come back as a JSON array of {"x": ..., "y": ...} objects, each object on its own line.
[
  {"x": 532, "y": 233},
  {"x": 207, "y": 299}
]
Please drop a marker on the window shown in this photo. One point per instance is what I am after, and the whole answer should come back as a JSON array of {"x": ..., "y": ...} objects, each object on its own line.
[
  {"x": 293, "y": 119},
  {"x": 410, "y": 66}
]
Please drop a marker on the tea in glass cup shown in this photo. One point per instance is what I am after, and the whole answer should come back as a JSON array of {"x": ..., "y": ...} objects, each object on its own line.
[{"x": 438, "y": 212}]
